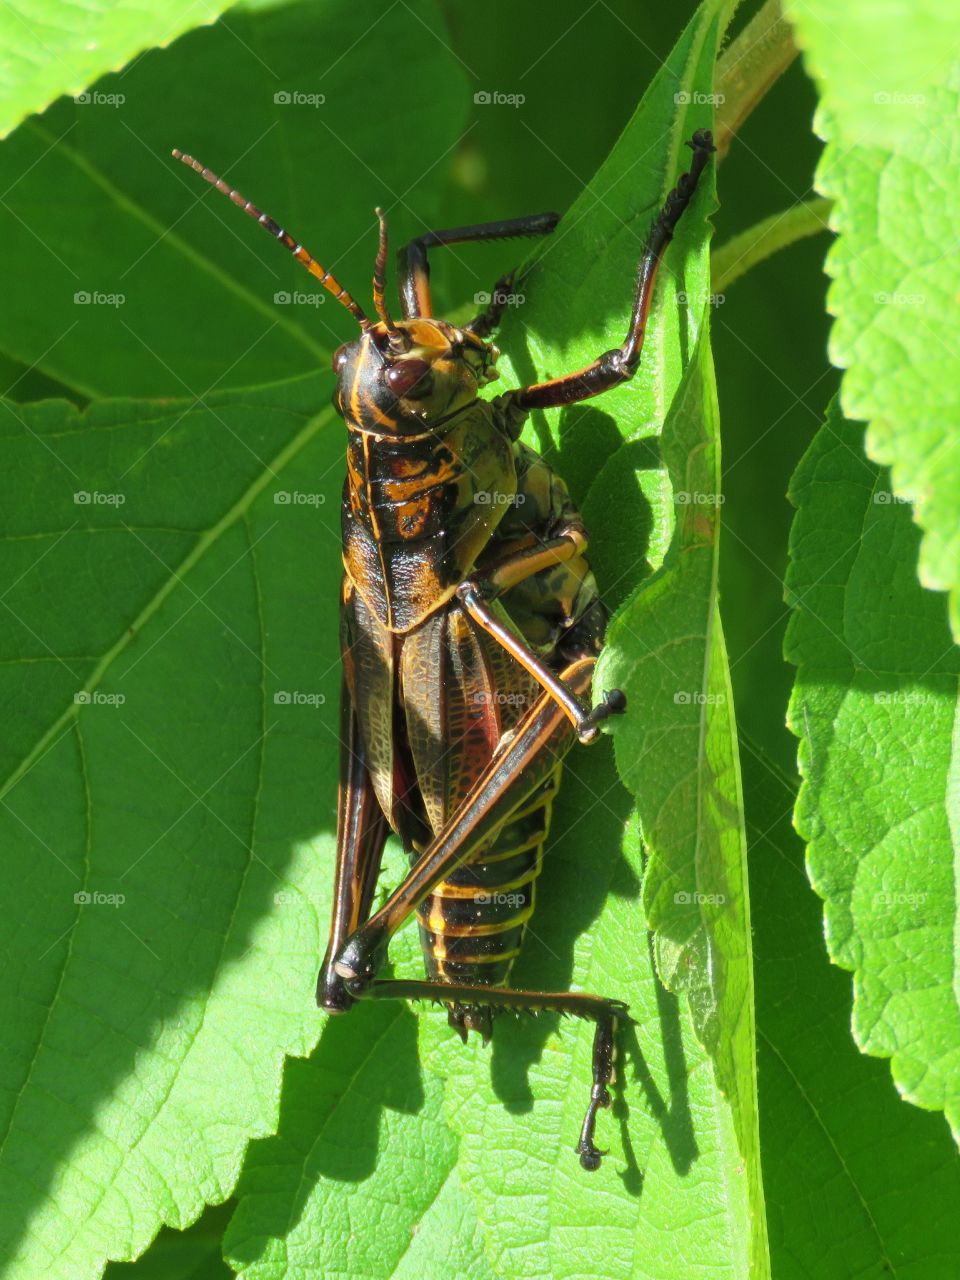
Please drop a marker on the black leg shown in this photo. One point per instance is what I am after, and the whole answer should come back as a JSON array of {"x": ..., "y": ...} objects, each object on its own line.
[
  {"x": 361, "y": 834},
  {"x": 486, "y": 321},
  {"x": 415, "y": 269},
  {"x": 621, "y": 364},
  {"x": 473, "y": 1006}
]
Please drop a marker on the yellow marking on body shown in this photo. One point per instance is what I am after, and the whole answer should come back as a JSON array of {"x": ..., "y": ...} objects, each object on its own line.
[
  {"x": 462, "y": 891},
  {"x": 496, "y": 958},
  {"x": 380, "y": 417},
  {"x": 440, "y": 927}
]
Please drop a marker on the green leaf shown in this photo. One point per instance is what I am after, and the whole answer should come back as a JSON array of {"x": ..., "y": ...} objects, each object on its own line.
[
  {"x": 889, "y": 115},
  {"x": 361, "y": 1140},
  {"x": 157, "y": 799},
  {"x": 840, "y": 1203},
  {"x": 59, "y": 48},
  {"x": 875, "y": 706},
  {"x": 184, "y": 293}
]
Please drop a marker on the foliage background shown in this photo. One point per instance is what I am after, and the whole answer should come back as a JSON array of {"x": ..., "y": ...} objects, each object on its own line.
[{"x": 855, "y": 1182}]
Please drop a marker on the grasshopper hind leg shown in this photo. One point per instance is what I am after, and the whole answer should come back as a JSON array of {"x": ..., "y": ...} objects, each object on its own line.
[{"x": 472, "y": 1008}]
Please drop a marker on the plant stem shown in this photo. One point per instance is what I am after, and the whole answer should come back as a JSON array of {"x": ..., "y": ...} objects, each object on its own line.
[
  {"x": 749, "y": 67},
  {"x": 766, "y": 237}
]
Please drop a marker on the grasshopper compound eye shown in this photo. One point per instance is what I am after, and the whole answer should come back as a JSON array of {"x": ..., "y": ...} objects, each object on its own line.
[{"x": 410, "y": 377}]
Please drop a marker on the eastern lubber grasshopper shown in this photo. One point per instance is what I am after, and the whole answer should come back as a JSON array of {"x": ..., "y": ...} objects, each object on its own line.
[{"x": 471, "y": 625}]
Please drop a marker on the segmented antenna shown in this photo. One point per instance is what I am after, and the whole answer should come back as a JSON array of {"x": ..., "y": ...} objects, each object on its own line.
[
  {"x": 329, "y": 282},
  {"x": 380, "y": 275}
]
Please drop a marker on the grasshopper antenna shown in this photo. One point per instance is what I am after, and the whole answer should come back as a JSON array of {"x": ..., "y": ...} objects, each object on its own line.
[
  {"x": 380, "y": 282},
  {"x": 329, "y": 281}
]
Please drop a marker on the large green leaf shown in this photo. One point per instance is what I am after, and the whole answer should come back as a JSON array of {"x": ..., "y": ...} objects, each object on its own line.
[
  {"x": 890, "y": 118},
  {"x": 51, "y": 48},
  {"x": 875, "y": 706},
  {"x": 157, "y": 797},
  {"x": 183, "y": 292},
  {"x": 840, "y": 1202}
]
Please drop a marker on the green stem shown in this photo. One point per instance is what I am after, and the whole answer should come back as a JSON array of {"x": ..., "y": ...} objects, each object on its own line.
[
  {"x": 735, "y": 258},
  {"x": 749, "y": 68}
]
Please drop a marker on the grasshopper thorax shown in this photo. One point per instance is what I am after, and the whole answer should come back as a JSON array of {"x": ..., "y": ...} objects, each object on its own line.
[{"x": 410, "y": 376}]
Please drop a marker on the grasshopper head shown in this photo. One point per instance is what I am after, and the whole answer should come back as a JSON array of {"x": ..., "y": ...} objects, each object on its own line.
[{"x": 411, "y": 375}]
